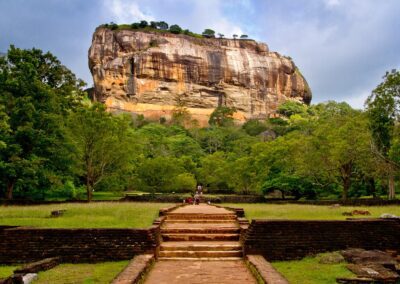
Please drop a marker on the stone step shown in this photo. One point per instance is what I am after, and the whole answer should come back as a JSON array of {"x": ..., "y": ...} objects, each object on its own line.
[
  {"x": 200, "y": 237},
  {"x": 200, "y": 258},
  {"x": 201, "y": 246},
  {"x": 195, "y": 216},
  {"x": 230, "y": 225},
  {"x": 200, "y": 221},
  {"x": 188, "y": 253},
  {"x": 200, "y": 231}
]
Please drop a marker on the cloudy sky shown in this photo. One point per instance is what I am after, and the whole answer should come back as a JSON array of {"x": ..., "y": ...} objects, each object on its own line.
[{"x": 343, "y": 47}]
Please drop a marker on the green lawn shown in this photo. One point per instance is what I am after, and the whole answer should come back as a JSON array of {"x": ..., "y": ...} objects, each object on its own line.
[
  {"x": 307, "y": 212},
  {"x": 93, "y": 215},
  {"x": 98, "y": 273},
  {"x": 310, "y": 271},
  {"x": 6, "y": 270}
]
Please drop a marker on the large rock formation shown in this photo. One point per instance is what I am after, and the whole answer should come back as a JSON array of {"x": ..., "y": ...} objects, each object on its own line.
[{"x": 150, "y": 73}]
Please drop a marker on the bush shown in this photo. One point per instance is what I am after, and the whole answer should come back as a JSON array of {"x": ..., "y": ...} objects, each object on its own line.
[
  {"x": 184, "y": 182},
  {"x": 208, "y": 33},
  {"x": 175, "y": 29}
]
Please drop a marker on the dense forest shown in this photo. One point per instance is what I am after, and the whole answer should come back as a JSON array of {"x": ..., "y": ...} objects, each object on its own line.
[{"x": 55, "y": 142}]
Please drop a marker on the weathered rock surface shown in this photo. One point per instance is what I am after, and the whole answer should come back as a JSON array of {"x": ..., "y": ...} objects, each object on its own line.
[{"x": 150, "y": 73}]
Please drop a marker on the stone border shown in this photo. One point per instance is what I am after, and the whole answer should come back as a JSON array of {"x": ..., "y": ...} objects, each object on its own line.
[
  {"x": 135, "y": 271},
  {"x": 264, "y": 270},
  {"x": 27, "y": 244},
  {"x": 28, "y": 272},
  {"x": 164, "y": 211}
]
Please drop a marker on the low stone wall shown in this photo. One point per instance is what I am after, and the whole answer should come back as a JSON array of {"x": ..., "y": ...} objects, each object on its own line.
[
  {"x": 176, "y": 198},
  {"x": 23, "y": 244},
  {"x": 349, "y": 202},
  {"x": 287, "y": 239}
]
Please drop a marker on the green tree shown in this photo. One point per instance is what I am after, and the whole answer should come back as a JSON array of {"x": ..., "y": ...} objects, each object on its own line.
[
  {"x": 338, "y": 147},
  {"x": 36, "y": 94},
  {"x": 214, "y": 173},
  {"x": 244, "y": 36},
  {"x": 208, "y": 33},
  {"x": 290, "y": 108},
  {"x": 254, "y": 127},
  {"x": 175, "y": 29},
  {"x": 102, "y": 143},
  {"x": 153, "y": 24},
  {"x": 383, "y": 108},
  {"x": 222, "y": 116},
  {"x": 162, "y": 25},
  {"x": 143, "y": 24},
  {"x": 135, "y": 26}
]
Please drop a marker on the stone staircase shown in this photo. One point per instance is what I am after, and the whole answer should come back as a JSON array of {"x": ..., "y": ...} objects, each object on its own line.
[{"x": 209, "y": 235}]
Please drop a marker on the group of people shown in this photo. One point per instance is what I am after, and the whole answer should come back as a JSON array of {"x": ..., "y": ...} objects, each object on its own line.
[{"x": 196, "y": 198}]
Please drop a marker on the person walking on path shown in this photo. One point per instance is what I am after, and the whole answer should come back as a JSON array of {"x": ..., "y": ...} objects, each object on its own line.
[
  {"x": 200, "y": 189},
  {"x": 197, "y": 199}
]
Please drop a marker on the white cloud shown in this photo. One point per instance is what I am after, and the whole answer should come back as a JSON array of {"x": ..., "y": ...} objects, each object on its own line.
[
  {"x": 125, "y": 12},
  {"x": 332, "y": 3},
  {"x": 210, "y": 14}
]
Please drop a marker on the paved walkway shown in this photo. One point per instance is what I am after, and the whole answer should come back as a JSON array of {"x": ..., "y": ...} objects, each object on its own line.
[
  {"x": 200, "y": 245},
  {"x": 197, "y": 272},
  {"x": 201, "y": 209}
]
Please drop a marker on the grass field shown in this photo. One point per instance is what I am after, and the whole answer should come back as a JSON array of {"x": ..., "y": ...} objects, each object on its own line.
[
  {"x": 99, "y": 273},
  {"x": 6, "y": 270},
  {"x": 310, "y": 271},
  {"x": 83, "y": 215},
  {"x": 308, "y": 212}
]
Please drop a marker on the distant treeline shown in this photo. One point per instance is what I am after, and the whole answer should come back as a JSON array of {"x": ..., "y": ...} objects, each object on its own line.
[
  {"x": 165, "y": 27},
  {"x": 55, "y": 143}
]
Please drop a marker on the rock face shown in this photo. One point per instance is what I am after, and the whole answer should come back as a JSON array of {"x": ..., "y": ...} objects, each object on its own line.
[{"x": 151, "y": 73}]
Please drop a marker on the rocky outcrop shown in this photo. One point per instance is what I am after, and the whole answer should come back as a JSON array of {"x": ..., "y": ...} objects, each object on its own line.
[{"x": 151, "y": 73}]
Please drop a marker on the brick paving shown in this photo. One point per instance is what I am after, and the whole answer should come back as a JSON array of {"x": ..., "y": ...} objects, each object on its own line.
[
  {"x": 200, "y": 245},
  {"x": 197, "y": 272}
]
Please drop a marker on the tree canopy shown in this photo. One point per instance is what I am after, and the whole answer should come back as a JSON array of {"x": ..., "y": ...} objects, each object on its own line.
[{"x": 55, "y": 142}]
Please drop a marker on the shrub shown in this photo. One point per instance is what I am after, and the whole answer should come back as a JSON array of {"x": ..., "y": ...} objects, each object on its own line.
[{"x": 175, "y": 29}]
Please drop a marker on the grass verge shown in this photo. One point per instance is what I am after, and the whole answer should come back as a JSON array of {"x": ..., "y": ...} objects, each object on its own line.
[
  {"x": 310, "y": 271},
  {"x": 99, "y": 273},
  {"x": 6, "y": 270},
  {"x": 83, "y": 215},
  {"x": 307, "y": 212}
]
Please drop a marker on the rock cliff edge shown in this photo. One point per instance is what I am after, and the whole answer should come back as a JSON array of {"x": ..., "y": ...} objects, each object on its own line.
[{"x": 150, "y": 73}]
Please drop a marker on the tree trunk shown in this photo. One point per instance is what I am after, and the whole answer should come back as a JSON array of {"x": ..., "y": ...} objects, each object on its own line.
[
  {"x": 346, "y": 187},
  {"x": 10, "y": 189},
  {"x": 372, "y": 187},
  {"x": 88, "y": 190},
  {"x": 345, "y": 171},
  {"x": 392, "y": 192}
]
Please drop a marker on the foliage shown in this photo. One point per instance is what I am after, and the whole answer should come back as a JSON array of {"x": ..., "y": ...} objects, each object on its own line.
[
  {"x": 383, "y": 109},
  {"x": 254, "y": 127},
  {"x": 36, "y": 94},
  {"x": 102, "y": 142},
  {"x": 54, "y": 146},
  {"x": 222, "y": 116},
  {"x": 163, "y": 27},
  {"x": 208, "y": 33},
  {"x": 290, "y": 108},
  {"x": 175, "y": 29}
]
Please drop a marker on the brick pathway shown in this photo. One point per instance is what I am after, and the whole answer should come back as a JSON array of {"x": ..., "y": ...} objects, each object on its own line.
[
  {"x": 196, "y": 272},
  {"x": 200, "y": 245}
]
